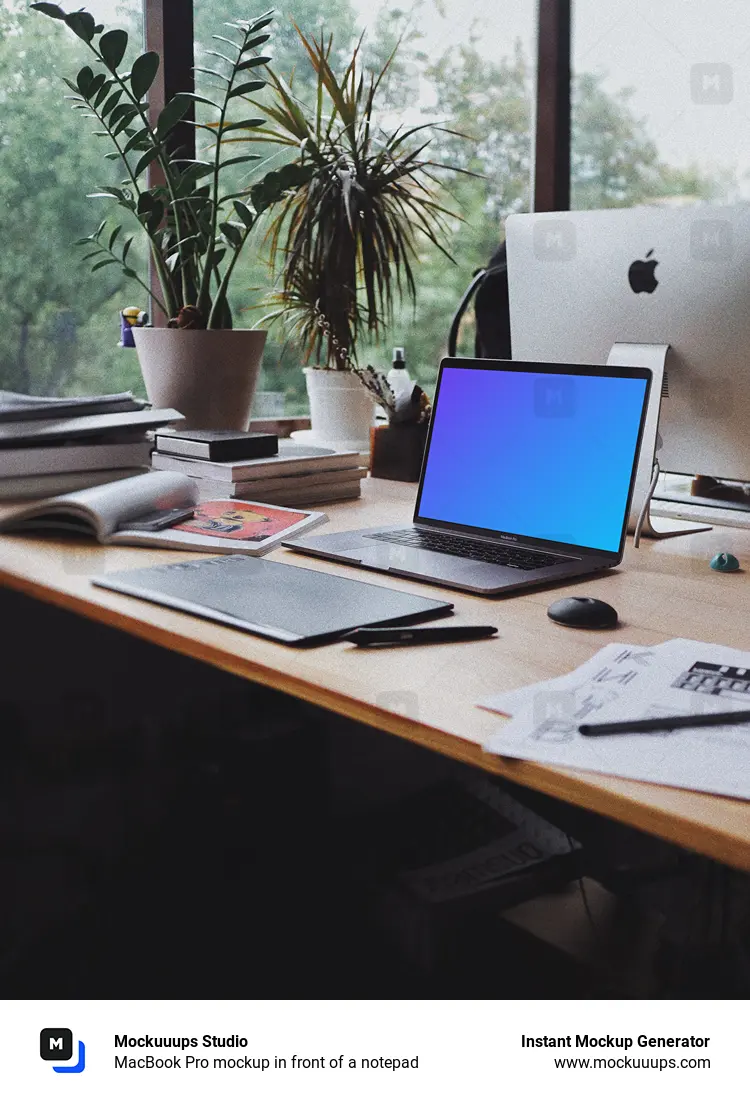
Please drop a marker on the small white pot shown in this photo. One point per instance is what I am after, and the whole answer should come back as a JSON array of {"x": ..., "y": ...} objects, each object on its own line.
[
  {"x": 342, "y": 411},
  {"x": 208, "y": 375}
]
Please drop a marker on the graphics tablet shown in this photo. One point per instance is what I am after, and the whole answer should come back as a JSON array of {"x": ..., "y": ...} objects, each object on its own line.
[{"x": 283, "y": 602}]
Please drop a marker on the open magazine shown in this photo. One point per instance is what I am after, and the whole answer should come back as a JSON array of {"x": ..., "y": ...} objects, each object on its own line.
[{"x": 110, "y": 512}]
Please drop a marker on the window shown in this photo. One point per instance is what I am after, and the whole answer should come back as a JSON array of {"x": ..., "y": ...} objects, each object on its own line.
[
  {"x": 474, "y": 72},
  {"x": 660, "y": 108},
  {"x": 60, "y": 323},
  {"x": 473, "y": 69}
]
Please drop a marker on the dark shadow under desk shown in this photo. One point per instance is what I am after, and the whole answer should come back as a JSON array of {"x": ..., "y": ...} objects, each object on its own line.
[{"x": 169, "y": 830}]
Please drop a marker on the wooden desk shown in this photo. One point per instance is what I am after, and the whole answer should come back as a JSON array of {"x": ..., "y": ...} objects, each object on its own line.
[{"x": 428, "y": 696}]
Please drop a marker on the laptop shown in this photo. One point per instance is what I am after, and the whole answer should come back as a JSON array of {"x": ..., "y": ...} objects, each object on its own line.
[{"x": 526, "y": 480}]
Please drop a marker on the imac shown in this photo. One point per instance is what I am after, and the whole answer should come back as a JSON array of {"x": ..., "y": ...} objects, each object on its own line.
[{"x": 583, "y": 281}]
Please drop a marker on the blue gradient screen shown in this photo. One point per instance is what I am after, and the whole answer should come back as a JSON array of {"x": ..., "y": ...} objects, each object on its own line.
[{"x": 546, "y": 456}]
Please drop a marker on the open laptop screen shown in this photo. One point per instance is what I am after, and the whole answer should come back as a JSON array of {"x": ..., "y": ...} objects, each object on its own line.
[{"x": 540, "y": 455}]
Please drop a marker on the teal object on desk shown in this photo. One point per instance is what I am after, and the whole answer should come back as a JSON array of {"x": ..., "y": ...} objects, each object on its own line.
[{"x": 725, "y": 563}]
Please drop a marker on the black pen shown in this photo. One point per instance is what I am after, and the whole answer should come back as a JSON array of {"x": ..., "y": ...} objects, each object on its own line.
[
  {"x": 676, "y": 722},
  {"x": 404, "y": 635}
]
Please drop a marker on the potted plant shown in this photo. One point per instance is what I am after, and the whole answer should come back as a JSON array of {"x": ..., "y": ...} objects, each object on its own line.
[
  {"x": 346, "y": 238},
  {"x": 195, "y": 227}
]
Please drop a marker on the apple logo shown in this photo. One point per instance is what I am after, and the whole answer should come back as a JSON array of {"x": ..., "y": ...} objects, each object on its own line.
[{"x": 641, "y": 275}]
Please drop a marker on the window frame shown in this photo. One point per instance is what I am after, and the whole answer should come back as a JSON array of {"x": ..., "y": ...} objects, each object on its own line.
[
  {"x": 168, "y": 30},
  {"x": 551, "y": 182}
]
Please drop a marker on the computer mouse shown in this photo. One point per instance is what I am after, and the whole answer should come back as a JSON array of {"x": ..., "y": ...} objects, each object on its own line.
[{"x": 583, "y": 611}]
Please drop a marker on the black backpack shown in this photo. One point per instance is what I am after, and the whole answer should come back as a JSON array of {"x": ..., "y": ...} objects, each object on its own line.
[{"x": 492, "y": 310}]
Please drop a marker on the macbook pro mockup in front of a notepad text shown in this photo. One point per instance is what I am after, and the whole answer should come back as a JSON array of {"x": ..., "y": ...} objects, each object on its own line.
[{"x": 527, "y": 479}]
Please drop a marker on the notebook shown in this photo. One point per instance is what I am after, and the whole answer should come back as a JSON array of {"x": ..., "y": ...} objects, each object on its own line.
[{"x": 284, "y": 602}]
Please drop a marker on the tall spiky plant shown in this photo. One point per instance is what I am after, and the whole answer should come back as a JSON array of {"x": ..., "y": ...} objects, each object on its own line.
[{"x": 346, "y": 240}]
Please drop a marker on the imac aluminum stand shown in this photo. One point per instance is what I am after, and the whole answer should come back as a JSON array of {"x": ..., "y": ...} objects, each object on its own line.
[{"x": 653, "y": 356}]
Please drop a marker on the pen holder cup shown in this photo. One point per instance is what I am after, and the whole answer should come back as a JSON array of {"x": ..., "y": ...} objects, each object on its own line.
[{"x": 396, "y": 451}]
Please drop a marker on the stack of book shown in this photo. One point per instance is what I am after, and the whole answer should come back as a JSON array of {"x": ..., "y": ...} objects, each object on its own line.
[
  {"x": 57, "y": 445},
  {"x": 295, "y": 477}
]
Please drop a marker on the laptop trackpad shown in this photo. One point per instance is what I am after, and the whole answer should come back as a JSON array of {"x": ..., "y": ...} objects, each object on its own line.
[{"x": 424, "y": 563}]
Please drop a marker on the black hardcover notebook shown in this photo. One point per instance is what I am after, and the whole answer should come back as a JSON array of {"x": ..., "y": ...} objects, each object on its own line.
[{"x": 284, "y": 602}]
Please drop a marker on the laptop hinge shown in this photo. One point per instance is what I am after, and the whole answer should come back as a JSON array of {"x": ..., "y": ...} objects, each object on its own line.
[{"x": 497, "y": 540}]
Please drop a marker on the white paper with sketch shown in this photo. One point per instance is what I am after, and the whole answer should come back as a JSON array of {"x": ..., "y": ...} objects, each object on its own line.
[{"x": 630, "y": 681}]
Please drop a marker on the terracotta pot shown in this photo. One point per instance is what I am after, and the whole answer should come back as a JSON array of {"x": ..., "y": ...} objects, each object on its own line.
[
  {"x": 342, "y": 411},
  {"x": 208, "y": 376}
]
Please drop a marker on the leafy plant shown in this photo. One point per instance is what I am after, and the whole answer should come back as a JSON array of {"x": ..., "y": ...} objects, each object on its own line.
[
  {"x": 347, "y": 238},
  {"x": 195, "y": 230}
]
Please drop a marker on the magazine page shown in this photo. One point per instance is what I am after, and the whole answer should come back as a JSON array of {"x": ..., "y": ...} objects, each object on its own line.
[
  {"x": 103, "y": 508},
  {"x": 229, "y": 527}
]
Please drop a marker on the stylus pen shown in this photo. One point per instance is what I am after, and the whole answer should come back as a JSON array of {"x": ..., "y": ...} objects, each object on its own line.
[
  {"x": 403, "y": 635},
  {"x": 677, "y": 722}
]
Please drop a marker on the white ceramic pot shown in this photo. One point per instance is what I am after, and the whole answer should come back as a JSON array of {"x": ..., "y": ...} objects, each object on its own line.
[
  {"x": 342, "y": 411},
  {"x": 208, "y": 375}
]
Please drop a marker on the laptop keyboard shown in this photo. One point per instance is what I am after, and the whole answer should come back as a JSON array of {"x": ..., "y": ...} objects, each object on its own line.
[{"x": 516, "y": 557}]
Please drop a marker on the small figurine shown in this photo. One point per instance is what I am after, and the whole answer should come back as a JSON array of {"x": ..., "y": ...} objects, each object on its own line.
[
  {"x": 131, "y": 317},
  {"x": 725, "y": 563}
]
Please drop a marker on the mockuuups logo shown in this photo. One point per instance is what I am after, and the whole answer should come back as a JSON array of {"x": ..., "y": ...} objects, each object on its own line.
[{"x": 56, "y": 1045}]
